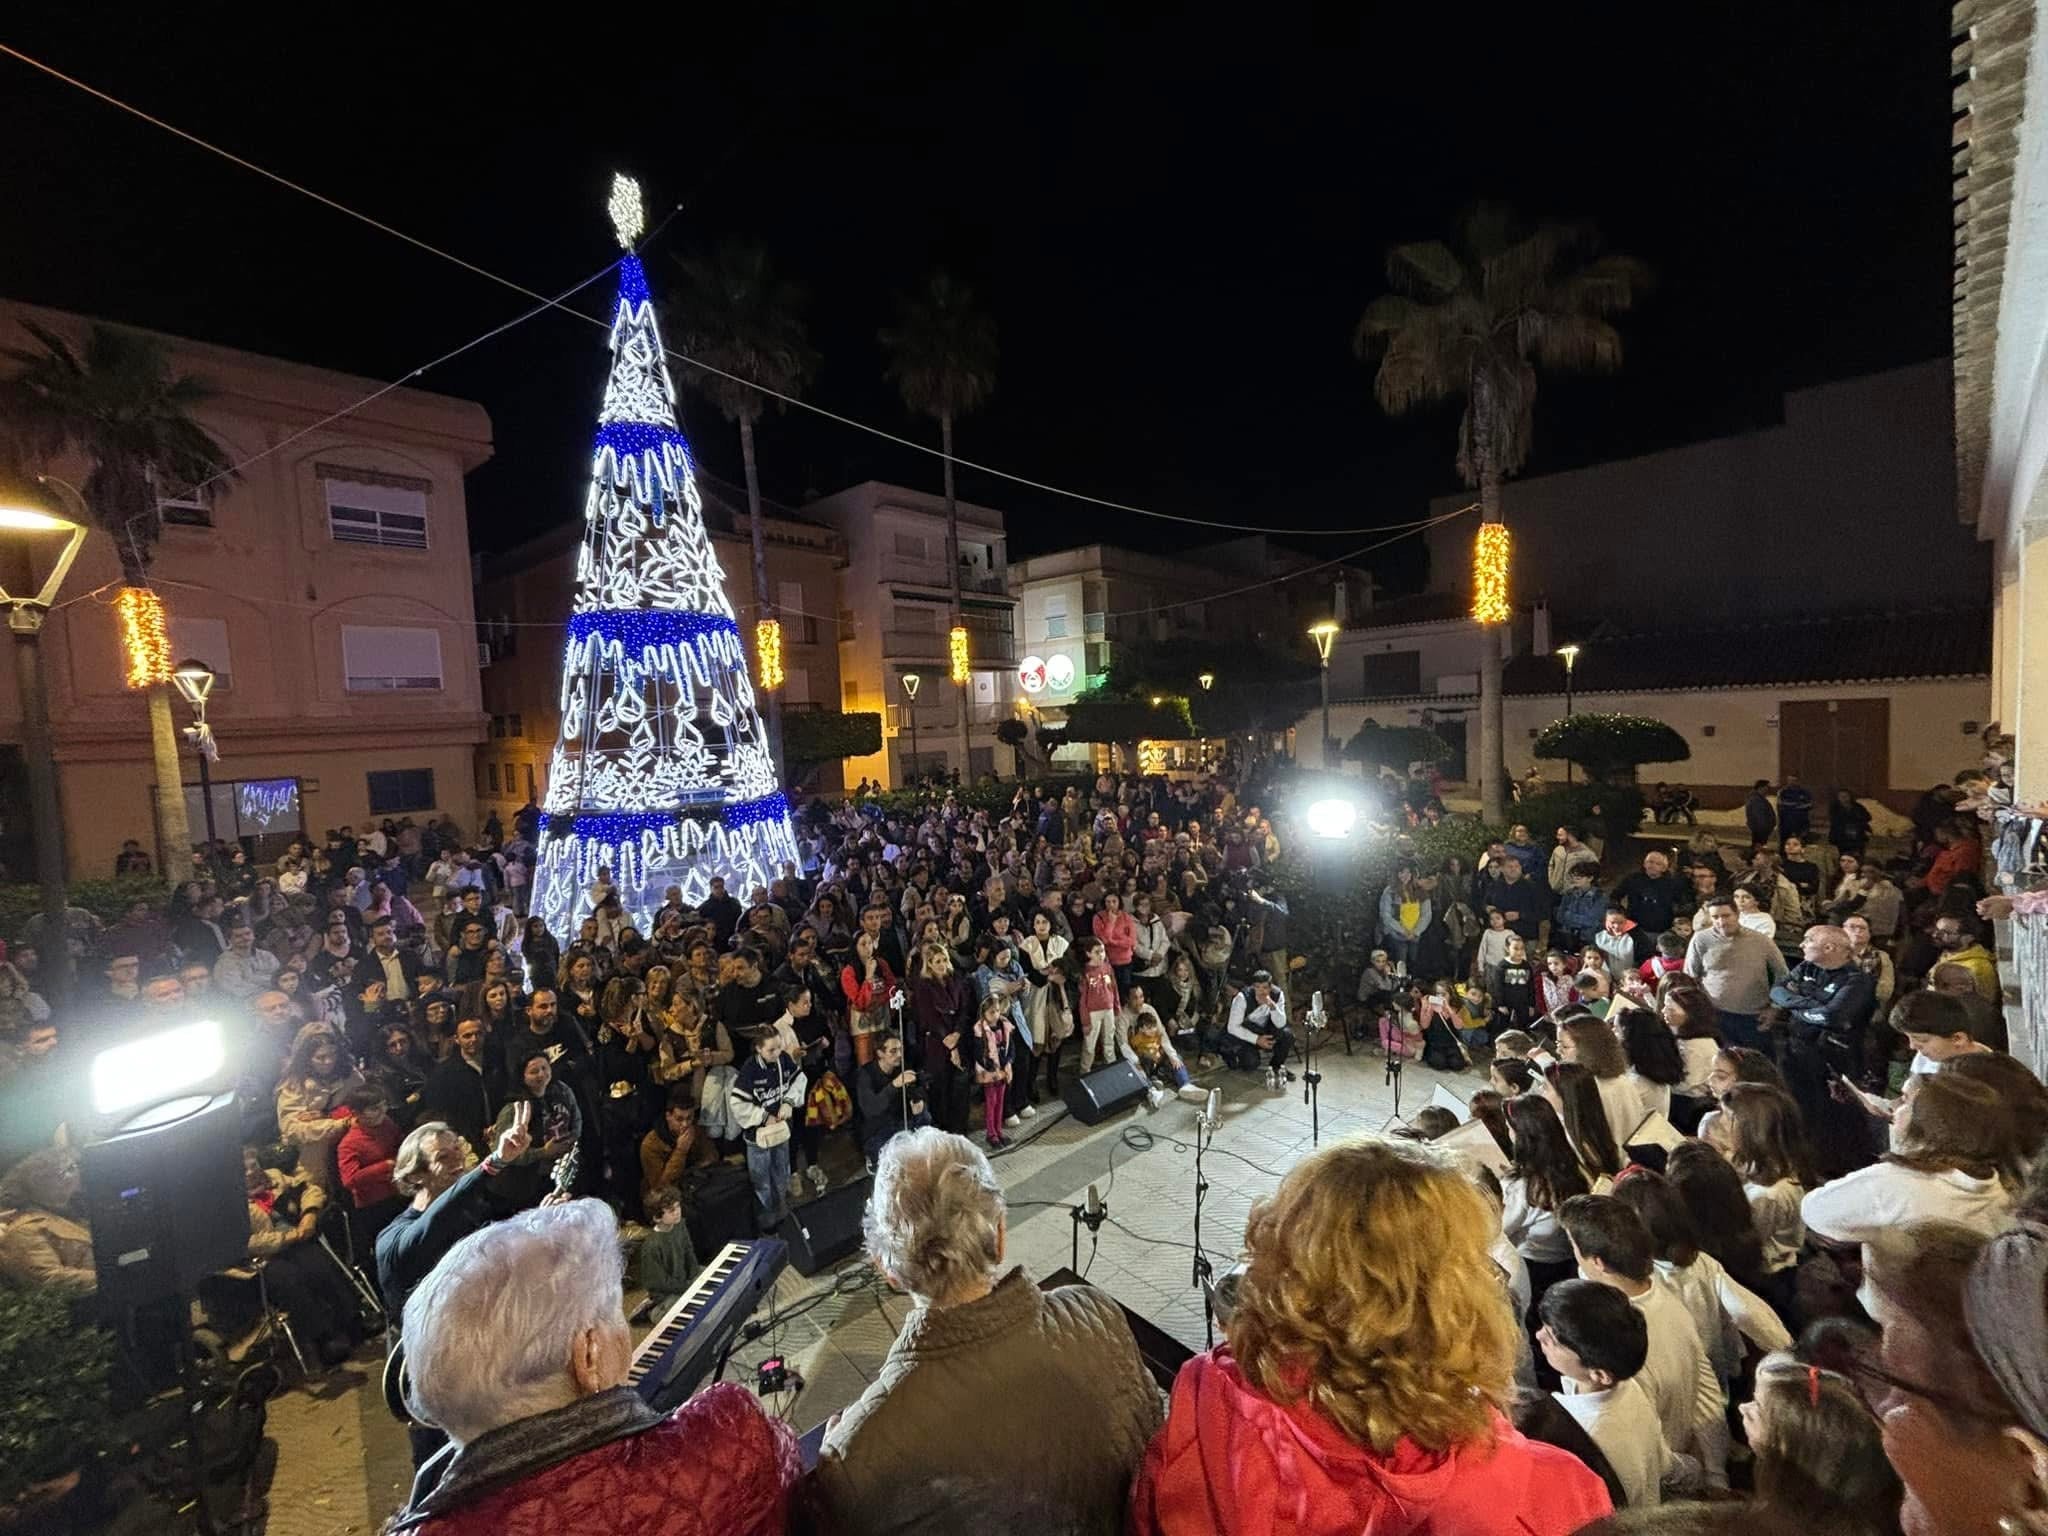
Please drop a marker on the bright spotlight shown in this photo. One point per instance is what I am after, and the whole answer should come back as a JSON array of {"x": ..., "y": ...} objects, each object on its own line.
[
  {"x": 149, "y": 1071},
  {"x": 1332, "y": 818}
]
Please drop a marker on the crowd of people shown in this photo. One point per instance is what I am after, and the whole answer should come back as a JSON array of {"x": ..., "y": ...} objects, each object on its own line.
[{"x": 1753, "y": 1230}]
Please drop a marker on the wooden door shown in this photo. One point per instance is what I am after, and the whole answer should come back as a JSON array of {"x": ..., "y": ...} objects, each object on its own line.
[{"x": 1836, "y": 744}]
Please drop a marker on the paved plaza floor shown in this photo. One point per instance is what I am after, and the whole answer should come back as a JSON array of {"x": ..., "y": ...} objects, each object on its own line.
[{"x": 341, "y": 1463}]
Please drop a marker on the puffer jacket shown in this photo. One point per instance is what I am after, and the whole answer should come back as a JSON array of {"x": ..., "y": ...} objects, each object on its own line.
[
  {"x": 1233, "y": 1461},
  {"x": 1076, "y": 1410},
  {"x": 609, "y": 1466}
]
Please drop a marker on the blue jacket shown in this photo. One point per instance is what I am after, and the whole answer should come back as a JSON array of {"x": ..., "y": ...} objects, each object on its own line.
[{"x": 1581, "y": 912}]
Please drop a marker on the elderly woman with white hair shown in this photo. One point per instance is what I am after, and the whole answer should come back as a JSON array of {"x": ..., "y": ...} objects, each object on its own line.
[
  {"x": 518, "y": 1349},
  {"x": 983, "y": 1354}
]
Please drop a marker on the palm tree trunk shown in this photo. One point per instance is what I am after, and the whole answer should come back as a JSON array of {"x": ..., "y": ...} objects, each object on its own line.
[
  {"x": 1493, "y": 801},
  {"x": 763, "y": 608},
  {"x": 173, "y": 826},
  {"x": 959, "y": 610}
]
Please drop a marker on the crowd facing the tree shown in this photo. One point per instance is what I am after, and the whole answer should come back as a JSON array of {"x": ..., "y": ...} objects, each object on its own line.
[{"x": 1757, "y": 1209}]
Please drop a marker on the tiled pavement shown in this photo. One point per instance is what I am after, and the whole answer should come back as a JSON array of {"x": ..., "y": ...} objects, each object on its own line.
[{"x": 342, "y": 1464}]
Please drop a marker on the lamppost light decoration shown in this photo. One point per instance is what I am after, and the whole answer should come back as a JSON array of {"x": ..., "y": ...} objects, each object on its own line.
[
  {"x": 145, "y": 637},
  {"x": 1207, "y": 680},
  {"x": 1490, "y": 574},
  {"x": 768, "y": 651},
  {"x": 1325, "y": 636},
  {"x": 628, "y": 217},
  {"x": 956, "y": 649},
  {"x": 911, "y": 680}
]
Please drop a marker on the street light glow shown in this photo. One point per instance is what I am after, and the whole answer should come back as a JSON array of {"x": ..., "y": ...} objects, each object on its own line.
[
  {"x": 1570, "y": 653},
  {"x": 28, "y": 520},
  {"x": 1325, "y": 636},
  {"x": 1332, "y": 818}
]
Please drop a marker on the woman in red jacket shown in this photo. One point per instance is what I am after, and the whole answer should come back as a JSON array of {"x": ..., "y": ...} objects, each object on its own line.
[
  {"x": 1360, "y": 1393},
  {"x": 1119, "y": 937},
  {"x": 868, "y": 984}
]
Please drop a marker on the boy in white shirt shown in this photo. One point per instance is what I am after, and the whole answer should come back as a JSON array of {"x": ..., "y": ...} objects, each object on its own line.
[
  {"x": 1598, "y": 1342},
  {"x": 1612, "y": 1246}
]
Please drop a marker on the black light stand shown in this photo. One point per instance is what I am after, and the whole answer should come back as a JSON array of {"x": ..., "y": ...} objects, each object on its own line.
[
  {"x": 1311, "y": 1079},
  {"x": 1393, "y": 1078},
  {"x": 1204, "y": 1275}
]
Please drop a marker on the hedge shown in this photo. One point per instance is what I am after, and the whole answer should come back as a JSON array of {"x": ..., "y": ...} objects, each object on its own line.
[
  {"x": 107, "y": 900},
  {"x": 827, "y": 735}
]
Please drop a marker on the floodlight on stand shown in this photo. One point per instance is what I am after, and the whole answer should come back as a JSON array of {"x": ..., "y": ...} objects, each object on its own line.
[
  {"x": 158, "y": 1067},
  {"x": 1332, "y": 818},
  {"x": 193, "y": 679}
]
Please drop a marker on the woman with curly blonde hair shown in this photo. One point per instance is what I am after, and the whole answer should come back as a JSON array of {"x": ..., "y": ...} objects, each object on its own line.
[{"x": 1369, "y": 1355}]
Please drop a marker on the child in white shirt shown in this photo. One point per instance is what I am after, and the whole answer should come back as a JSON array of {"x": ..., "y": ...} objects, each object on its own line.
[{"x": 1597, "y": 1341}]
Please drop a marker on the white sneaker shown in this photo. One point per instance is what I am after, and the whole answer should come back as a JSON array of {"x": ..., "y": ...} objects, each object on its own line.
[
  {"x": 1154, "y": 1097},
  {"x": 1192, "y": 1094},
  {"x": 1012, "y": 1120},
  {"x": 1029, "y": 1111},
  {"x": 818, "y": 1178}
]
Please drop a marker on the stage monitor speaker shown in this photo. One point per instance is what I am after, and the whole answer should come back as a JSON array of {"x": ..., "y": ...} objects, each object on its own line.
[
  {"x": 166, "y": 1199},
  {"x": 823, "y": 1231},
  {"x": 1094, "y": 1098}
]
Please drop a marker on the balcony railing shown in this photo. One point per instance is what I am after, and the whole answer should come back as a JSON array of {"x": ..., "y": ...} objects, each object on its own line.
[{"x": 914, "y": 644}]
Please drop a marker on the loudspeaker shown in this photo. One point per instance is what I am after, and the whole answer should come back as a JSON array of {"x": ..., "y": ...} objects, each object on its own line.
[
  {"x": 166, "y": 1199},
  {"x": 823, "y": 1231},
  {"x": 1094, "y": 1098}
]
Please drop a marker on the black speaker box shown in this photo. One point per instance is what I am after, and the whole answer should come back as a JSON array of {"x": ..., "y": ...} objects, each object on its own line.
[
  {"x": 823, "y": 1231},
  {"x": 166, "y": 1199},
  {"x": 1094, "y": 1098}
]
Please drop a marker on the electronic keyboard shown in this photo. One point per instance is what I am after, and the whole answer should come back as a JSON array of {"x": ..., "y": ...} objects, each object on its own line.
[{"x": 692, "y": 1338}]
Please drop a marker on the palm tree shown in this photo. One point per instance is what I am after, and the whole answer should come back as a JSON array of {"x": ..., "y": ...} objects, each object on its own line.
[
  {"x": 942, "y": 355},
  {"x": 740, "y": 316},
  {"x": 119, "y": 406},
  {"x": 1475, "y": 321}
]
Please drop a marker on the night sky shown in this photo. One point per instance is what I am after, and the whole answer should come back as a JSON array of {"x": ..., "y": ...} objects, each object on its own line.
[{"x": 1176, "y": 222}]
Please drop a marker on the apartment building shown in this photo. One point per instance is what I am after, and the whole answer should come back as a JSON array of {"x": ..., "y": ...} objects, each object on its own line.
[
  {"x": 522, "y": 605},
  {"x": 327, "y": 585},
  {"x": 895, "y": 619}
]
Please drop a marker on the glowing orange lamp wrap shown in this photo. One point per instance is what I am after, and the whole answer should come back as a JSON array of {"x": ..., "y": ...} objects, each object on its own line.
[
  {"x": 145, "y": 637},
  {"x": 1490, "y": 575},
  {"x": 768, "y": 652},
  {"x": 956, "y": 649}
]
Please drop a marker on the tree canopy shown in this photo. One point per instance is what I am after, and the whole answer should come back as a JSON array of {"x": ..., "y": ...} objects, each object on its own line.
[
  {"x": 735, "y": 312},
  {"x": 1396, "y": 746},
  {"x": 1102, "y": 716},
  {"x": 1612, "y": 746}
]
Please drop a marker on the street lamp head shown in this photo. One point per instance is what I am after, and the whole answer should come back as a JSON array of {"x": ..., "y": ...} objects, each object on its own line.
[
  {"x": 29, "y": 504},
  {"x": 910, "y": 681},
  {"x": 193, "y": 679},
  {"x": 1325, "y": 636},
  {"x": 1207, "y": 680},
  {"x": 1570, "y": 653},
  {"x": 1157, "y": 700}
]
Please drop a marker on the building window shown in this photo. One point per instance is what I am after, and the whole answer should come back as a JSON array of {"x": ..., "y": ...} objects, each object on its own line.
[
  {"x": 390, "y": 513},
  {"x": 491, "y": 773},
  {"x": 1393, "y": 674},
  {"x": 388, "y": 659},
  {"x": 203, "y": 640},
  {"x": 910, "y": 546},
  {"x": 1056, "y": 617},
  {"x": 510, "y": 776},
  {"x": 849, "y": 695},
  {"x": 515, "y": 727},
  {"x": 916, "y": 618},
  {"x": 798, "y": 627},
  {"x": 395, "y": 791},
  {"x": 191, "y": 509},
  {"x": 796, "y": 685}
]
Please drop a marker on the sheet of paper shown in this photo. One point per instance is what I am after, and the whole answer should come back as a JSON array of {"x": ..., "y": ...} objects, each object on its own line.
[
  {"x": 1443, "y": 1098},
  {"x": 1654, "y": 1131},
  {"x": 1473, "y": 1140}
]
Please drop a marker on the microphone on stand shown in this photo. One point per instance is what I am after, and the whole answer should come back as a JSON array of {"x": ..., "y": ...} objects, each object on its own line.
[
  {"x": 1095, "y": 1212},
  {"x": 1212, "y": 1112}
]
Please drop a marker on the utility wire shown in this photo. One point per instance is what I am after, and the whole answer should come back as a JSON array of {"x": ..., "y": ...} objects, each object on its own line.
[{"x": 789, "y": 400}]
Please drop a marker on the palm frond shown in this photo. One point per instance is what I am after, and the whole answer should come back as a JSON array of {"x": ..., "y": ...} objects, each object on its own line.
[
  {"x": 1565, "y": 340},
  {"x": 942, "y": 350},
  {"x": 1426, "y": 269},
  {"x": 733, "y": 311}
]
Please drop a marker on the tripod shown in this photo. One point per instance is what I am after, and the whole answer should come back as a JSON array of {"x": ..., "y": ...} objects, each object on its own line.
[{"x": 1393, "y": 1078}]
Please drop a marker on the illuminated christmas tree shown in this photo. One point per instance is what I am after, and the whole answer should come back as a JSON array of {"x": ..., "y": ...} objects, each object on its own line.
[{"x": 663, "y": 773}]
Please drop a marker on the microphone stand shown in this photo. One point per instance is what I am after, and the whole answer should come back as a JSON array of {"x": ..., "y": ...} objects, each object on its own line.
[
  {"x": 1311, "y": 1079},
  {"x": 1204, "y": 1277},
  {"x": 1393, "y": 1078},
  {"x": 1093, "y": 1220}
]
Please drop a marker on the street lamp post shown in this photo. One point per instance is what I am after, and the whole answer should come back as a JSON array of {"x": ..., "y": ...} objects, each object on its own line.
[
  {"x": 194, "y": 679},
  {"x": 1570, "y": 653},
  {"x": 28, "y": 513},
  {"x": 910, "y": 682},
  {"x": 1325, "y": 636}
]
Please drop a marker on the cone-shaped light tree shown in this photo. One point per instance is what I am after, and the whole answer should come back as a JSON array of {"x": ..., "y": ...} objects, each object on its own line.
[{"x": 663, "y": 774}]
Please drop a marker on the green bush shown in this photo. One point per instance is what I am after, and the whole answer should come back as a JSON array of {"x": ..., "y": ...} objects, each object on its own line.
[
  {"x": 827, "y": 735},
  {"x": 1097, "y": 717},
  {"x": 1610, "y": 747},
  {"x": 107, "y": 900},
  {"x": 1396, "y": 746},
  {"x": 1614, "y": 810},
  {"x": 54, "y": 1411}
]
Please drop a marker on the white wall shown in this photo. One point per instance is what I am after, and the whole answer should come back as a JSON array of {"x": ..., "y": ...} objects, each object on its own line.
[{"x": 1927, "y": 717}]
